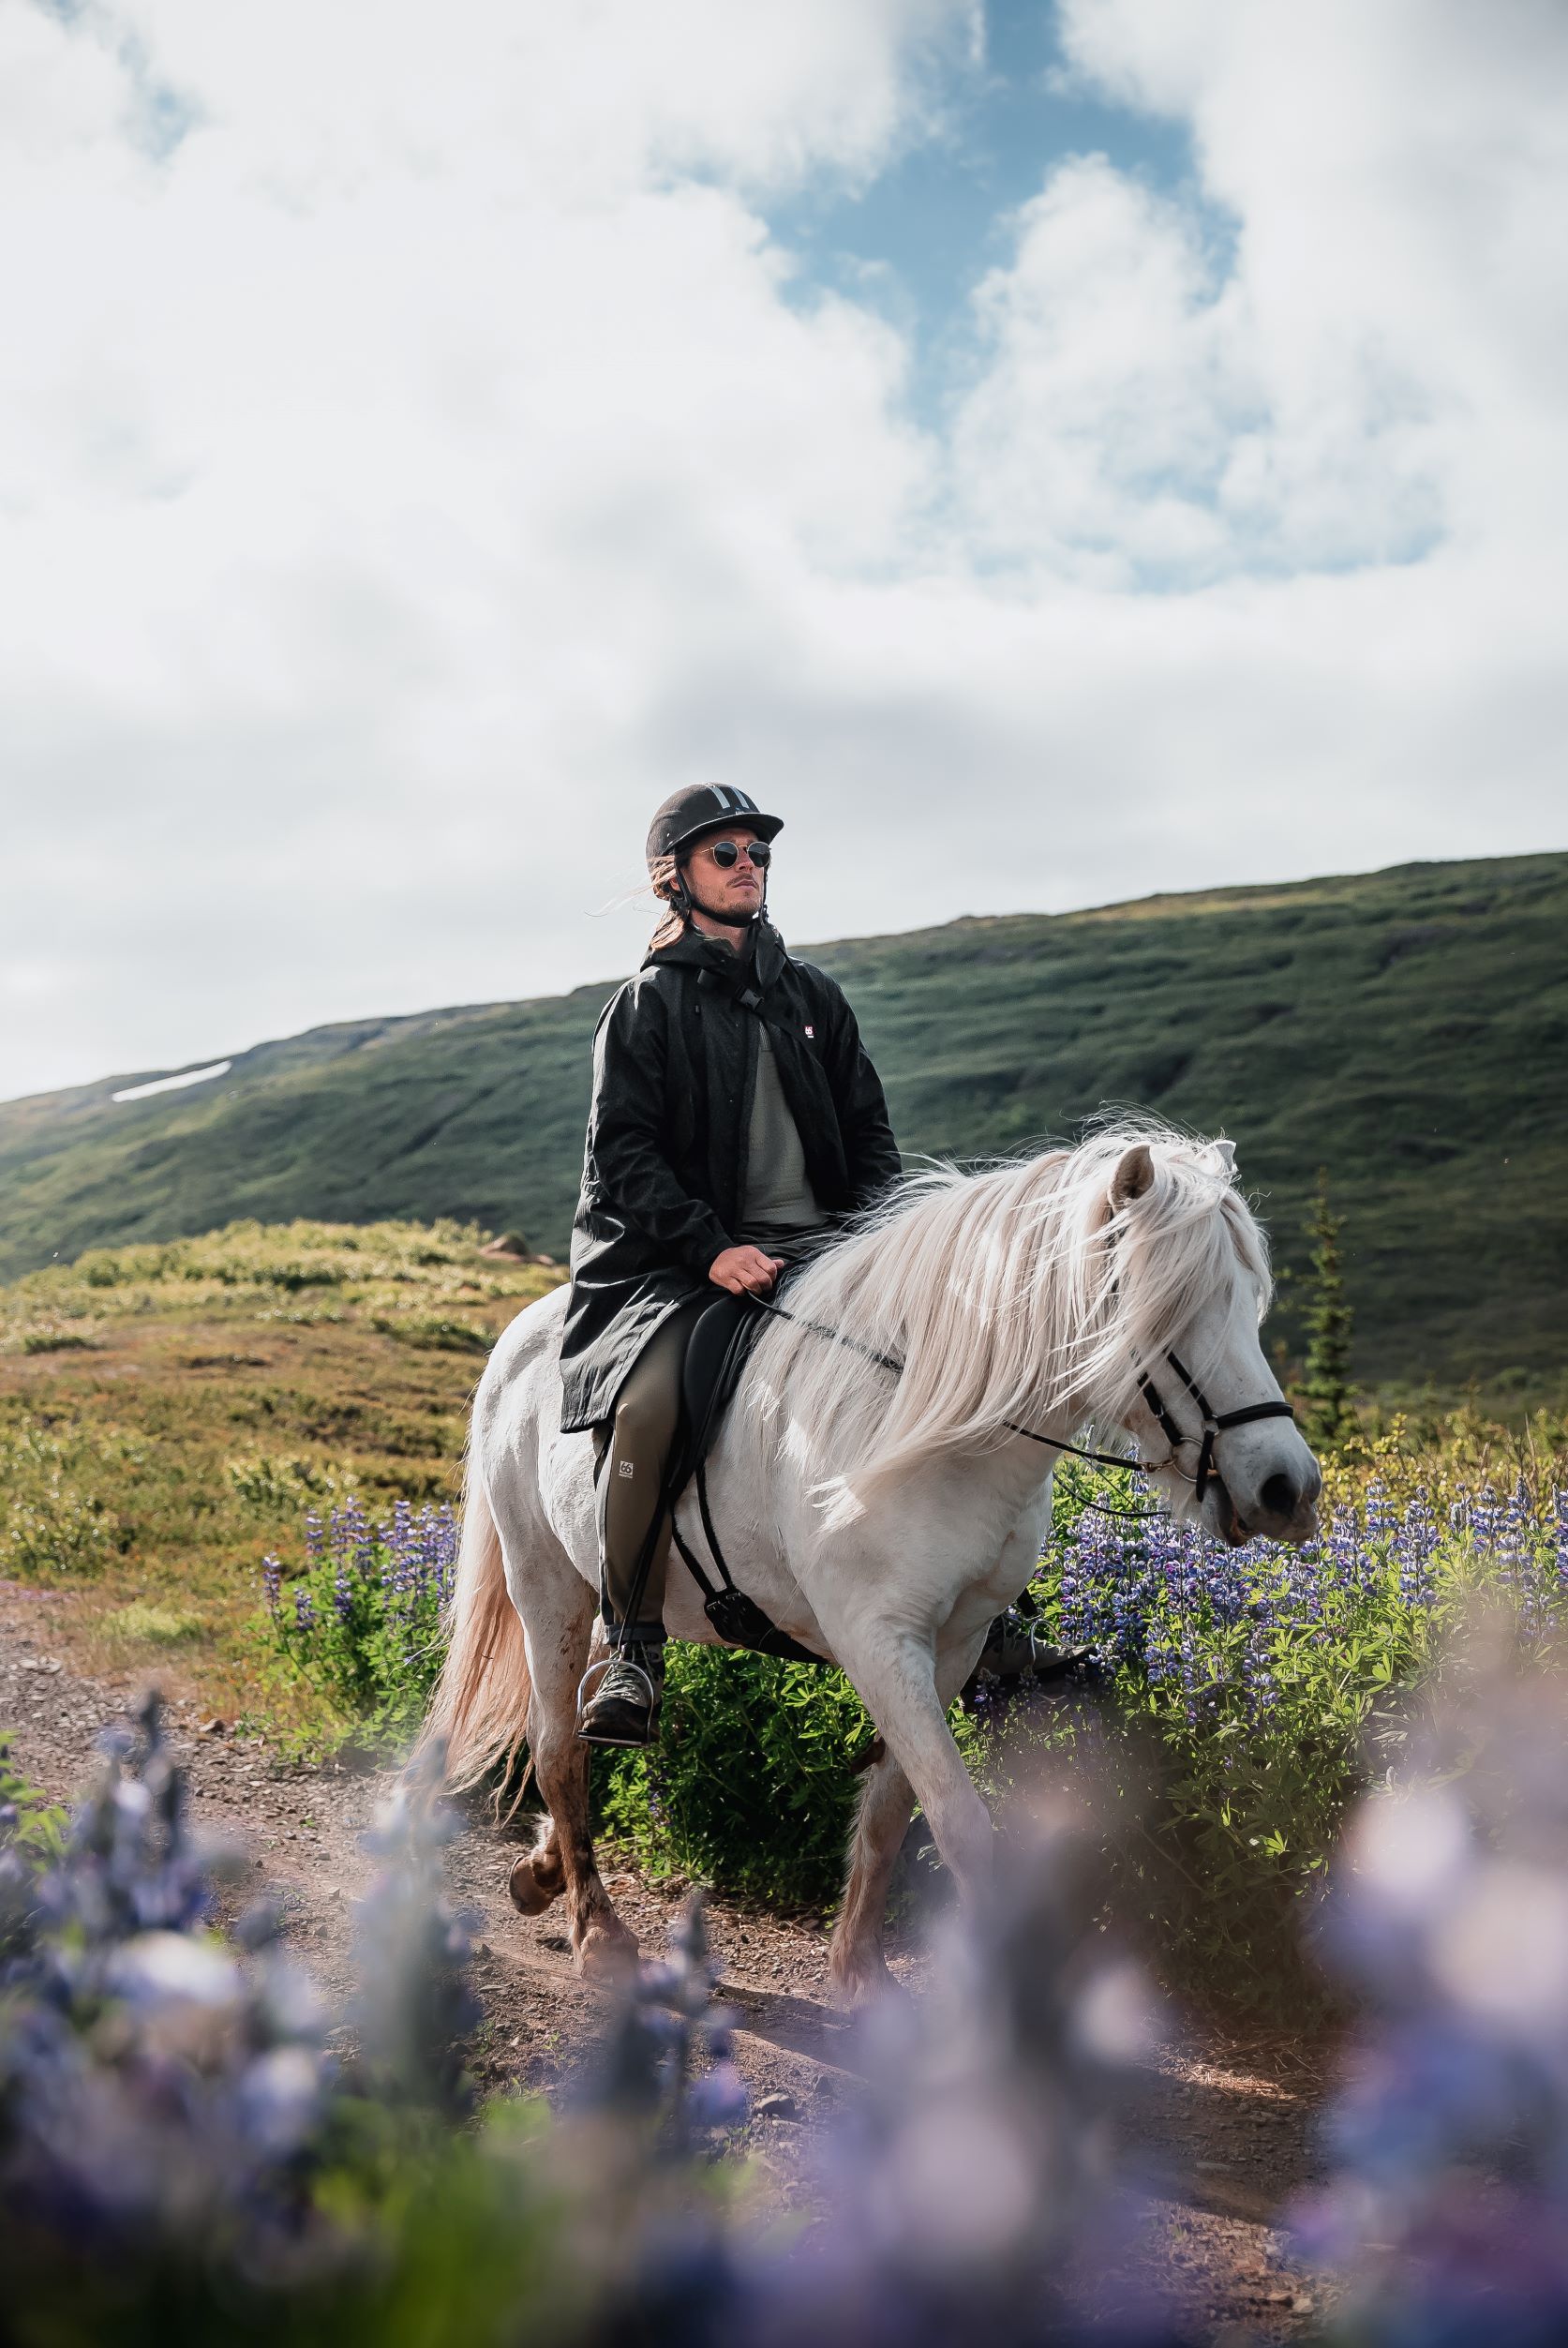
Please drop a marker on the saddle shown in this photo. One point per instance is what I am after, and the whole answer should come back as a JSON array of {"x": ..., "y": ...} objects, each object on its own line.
[{"x": 716, "y": 1353}]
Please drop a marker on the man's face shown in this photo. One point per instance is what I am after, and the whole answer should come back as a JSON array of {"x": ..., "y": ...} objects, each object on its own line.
[{"x": 735, "y": 890}]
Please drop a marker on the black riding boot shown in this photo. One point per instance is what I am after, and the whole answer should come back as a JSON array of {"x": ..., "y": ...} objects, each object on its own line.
[
  {"x": 624, "y": 1707},
  {"x": 1014, "y": 1650}
]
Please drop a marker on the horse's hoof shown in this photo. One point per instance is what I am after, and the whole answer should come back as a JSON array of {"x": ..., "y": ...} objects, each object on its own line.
[
  {"x": 855, "y": 1987},
  {"x": 529, "y": 1894},
  {"x": 608, "y": 1952}
]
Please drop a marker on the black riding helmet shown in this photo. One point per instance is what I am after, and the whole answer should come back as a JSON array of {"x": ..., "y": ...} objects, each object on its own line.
[{"x": 704, "y": 807}]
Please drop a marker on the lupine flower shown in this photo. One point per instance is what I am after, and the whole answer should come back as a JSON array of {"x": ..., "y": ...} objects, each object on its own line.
[
  {"x": 155, "y": 2099},
  {"x": 368, "y": 1610},
  {"x": 1448, "y": 2204},
  {"x": 416, "y": 2006},
  {"x": 669, "y": 2055}
]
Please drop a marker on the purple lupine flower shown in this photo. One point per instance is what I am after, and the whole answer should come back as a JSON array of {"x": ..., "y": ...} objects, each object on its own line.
[
  {"x": 1446, "y": 2204},
  {"x": 416, "y": 2005},
  {"x": 1415, "y": 1544},
  {"x": 272, "y": 1581}
]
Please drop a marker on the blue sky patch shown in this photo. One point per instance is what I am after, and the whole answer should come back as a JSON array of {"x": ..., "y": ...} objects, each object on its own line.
[{"x": 916, "y": 242}]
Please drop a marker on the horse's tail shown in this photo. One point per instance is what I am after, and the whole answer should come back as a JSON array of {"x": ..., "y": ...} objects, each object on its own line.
[{"x": 479, "y": 1709}]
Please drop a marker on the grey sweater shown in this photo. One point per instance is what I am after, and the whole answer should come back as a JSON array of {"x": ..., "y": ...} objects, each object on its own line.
[{"x": 779, "y": 1195}]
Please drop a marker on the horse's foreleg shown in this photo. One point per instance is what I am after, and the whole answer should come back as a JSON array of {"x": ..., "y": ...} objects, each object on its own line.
[
  {"x": 857, "y": 1968},
  {"x": 559, "y": 1639},
  {"x": 896, "y": 1675}
]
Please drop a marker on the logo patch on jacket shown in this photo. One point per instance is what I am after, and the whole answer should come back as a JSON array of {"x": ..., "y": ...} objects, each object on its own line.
[{"x": 811, "y": 1032}]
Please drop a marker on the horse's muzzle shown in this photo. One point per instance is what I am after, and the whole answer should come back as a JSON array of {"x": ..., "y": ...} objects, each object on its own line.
[{"x": 1285, "y": 1508}]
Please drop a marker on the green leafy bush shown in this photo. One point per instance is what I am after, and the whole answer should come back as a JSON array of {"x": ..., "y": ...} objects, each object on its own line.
[
  {"x": 1252, "y": 1693},
  {"x": 362, "y": 1621},
  {"x": 1244, "y": 1695},
  {"x": 438, "y": 1334},
  {"x": 145, "y": 1622},
  {"x": 30, "y": 1824},
  {"x": 274, "y": 1484},
  {"x": 53, "y": 1519},
  {"x": 752, "y": 1786}
]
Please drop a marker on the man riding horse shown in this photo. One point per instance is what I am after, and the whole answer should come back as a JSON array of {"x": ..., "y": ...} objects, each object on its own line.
[
  {"x": 736, "y": 1119},
  {"x": 735, "y": 1115}
]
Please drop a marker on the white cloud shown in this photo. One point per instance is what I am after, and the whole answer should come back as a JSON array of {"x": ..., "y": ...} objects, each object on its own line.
[
  {"x": 1138, "y": 419},
  {"x": 415, "y": 459}
]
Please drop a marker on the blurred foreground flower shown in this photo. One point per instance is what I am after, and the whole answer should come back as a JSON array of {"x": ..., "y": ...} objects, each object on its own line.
[
  {"x": 1447, "y": 2210},
  {"x": 156, "y": 2092},
  {"x": 984, "y": 2187},
  {"x": 182, "y": 2159},
  {"x": 416, "y": 2006}
]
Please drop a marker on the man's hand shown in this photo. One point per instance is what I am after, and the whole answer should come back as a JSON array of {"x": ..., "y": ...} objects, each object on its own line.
[{"x": 745, "y": 1270}]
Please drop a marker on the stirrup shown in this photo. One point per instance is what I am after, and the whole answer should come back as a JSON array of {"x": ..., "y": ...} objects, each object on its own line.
[
  {"x": 1022, "y": 1633},
  {"x": 588, "y": 1733}
]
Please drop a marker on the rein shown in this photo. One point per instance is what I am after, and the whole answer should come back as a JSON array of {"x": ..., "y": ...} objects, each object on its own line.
[{"x": 1215, "y": 1423}]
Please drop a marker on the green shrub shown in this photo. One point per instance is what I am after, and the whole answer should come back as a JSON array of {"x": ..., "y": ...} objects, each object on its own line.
[
  {"x": 53, "y": 1519},
  {"x": 1252, "y": 1692},
  {"x": 158, "y": 1625},
  {"x": 750, "y": 1785},
  {"x": 275, "y": 1485},
  {"x": 441, "y": 1336},
  {"x": 30, "y": 1823},
  {"x": 361, "y": 1621}
]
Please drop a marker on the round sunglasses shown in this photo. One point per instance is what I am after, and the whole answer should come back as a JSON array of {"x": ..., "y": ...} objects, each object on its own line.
[{"x": 727, "y": 853}]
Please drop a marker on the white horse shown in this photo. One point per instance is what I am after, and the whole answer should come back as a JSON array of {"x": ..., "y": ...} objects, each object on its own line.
[{"x": 885, "y": 1519}]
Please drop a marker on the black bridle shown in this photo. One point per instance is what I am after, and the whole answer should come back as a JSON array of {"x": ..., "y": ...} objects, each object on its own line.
[{"x": 1215, "y": 1423}]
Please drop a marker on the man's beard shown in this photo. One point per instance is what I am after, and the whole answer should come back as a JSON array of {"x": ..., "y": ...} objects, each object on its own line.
[{"x": 731, "y": 921}]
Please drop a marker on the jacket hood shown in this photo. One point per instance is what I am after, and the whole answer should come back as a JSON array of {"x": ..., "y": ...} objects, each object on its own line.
[{"x": 692, "y": 951}]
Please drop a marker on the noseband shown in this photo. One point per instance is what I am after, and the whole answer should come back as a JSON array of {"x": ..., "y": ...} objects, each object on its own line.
[{"x": 1215, "y": 1423}]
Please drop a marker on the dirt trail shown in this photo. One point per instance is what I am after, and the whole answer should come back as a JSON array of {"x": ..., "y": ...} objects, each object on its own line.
[{"x": 1225, "y": 2134}]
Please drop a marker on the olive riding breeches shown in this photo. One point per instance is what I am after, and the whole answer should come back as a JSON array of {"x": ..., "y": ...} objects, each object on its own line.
[{"x": 631, "y": 1479}]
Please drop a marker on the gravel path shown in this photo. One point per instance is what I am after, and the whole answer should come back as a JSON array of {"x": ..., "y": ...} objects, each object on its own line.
[{"x": 1225, "y": 2131}]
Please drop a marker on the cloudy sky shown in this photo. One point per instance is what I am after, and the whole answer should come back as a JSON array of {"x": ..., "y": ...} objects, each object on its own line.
[{"x": 1047, "y": 454}]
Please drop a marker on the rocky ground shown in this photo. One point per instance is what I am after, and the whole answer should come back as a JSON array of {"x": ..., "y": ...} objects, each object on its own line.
[{"x": 1224, "y": 2128}]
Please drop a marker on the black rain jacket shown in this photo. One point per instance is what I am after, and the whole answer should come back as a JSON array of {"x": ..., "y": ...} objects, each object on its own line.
[{"x": 665, "y": 1168}]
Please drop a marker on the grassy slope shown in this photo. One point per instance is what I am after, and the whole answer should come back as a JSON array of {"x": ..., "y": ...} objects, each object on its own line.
[
  {"x": 167, "y": 1415},
  {"x": 1405, "y": 1028}
]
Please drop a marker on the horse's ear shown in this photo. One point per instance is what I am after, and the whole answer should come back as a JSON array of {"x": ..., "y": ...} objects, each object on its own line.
[
  {"x": 1134, "y": 1174},
  {"x": 1222, "y": 1157}
]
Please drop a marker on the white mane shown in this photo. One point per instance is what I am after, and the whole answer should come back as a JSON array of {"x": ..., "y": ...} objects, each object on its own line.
[{"x": 999, "y": 1293}]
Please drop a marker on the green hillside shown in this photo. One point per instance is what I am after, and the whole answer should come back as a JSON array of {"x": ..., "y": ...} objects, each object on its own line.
[{"x": 1408, "y": 1029}]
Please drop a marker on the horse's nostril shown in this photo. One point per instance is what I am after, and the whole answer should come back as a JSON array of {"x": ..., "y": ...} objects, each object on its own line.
[{"x": 1278, "y": 1496}]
